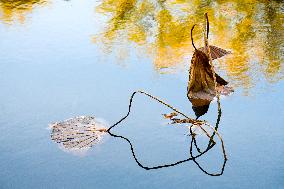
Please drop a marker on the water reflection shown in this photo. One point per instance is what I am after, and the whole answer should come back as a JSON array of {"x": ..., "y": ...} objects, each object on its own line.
[
  {"x": 16, "y": 10},
  {"x": 204, "y": 84},
  {"x": 251, "y": 29},
  {"x": 84, "y": 132}
]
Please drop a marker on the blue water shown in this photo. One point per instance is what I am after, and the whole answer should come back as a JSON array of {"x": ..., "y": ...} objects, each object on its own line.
[{"x": 50, "y": 71}]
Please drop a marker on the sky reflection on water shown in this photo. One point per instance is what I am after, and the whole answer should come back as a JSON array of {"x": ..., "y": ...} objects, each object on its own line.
[{"x": 62, "y": 59}]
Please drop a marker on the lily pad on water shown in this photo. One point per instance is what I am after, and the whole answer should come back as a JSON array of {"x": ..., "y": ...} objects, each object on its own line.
[{"x": 79, "y": 132}]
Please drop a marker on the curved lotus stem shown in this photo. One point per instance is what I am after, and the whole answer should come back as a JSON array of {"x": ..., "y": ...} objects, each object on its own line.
[
  {"x": 192, "y": 37},
  {"x": 207, "y": 28}
]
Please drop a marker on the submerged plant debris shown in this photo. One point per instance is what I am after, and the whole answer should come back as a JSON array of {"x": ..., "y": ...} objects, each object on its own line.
[
  {"x": 203, "y": 86},
  {"x": 70, "y": 134},
  {"x": 79, "y": 132}
]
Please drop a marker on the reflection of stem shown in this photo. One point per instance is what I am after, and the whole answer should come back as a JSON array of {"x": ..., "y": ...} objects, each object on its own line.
[
  {"x": 159, "y": 166},
  {"x": 192, "y": 121},
  {"x": 213, "y": 134},
  {"x": 206, "y": 33},
  {"x": 217, "y": 122},
  {"x": 199, "y": 166}
]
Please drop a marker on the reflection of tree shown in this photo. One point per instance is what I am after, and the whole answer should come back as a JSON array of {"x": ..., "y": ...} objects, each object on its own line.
[
  {"x": 252, "y": 30},
  {"x": 12, "y": 10}
]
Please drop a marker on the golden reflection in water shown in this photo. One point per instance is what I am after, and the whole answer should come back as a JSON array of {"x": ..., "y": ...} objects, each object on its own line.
[
  {"x": 252, "y": 30},
  {"x": 16, "y": 10}
]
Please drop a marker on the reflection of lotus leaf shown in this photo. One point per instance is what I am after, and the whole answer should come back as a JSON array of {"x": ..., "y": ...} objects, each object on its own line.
[{"x": 79, "y": 132}]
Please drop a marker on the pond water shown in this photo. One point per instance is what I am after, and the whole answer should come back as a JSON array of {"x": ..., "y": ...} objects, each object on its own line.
[{"x": 62, "y": 59}]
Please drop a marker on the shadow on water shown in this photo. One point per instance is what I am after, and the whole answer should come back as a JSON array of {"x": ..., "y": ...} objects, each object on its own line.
[{"x": 204, "y": 84}]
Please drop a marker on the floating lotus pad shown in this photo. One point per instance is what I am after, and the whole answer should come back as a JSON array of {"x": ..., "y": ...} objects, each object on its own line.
[{"x": 79, "y": 132}]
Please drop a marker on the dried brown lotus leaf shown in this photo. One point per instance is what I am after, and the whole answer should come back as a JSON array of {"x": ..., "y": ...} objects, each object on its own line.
[
  {"x": 216, "y": 52},
  {"x": 79, "y": 132}
]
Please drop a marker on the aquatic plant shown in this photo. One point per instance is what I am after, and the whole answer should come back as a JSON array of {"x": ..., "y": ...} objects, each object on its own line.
[{"x": 84, "y": 132}]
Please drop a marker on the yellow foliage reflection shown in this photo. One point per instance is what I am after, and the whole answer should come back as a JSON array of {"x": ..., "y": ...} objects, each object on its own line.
[
  {"x": 252, "y": 30},
  {"x": 16, "y": 10}
]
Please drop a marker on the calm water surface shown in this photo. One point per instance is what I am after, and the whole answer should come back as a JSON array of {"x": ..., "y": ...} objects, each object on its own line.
[{"x": 61, "y": 59}]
